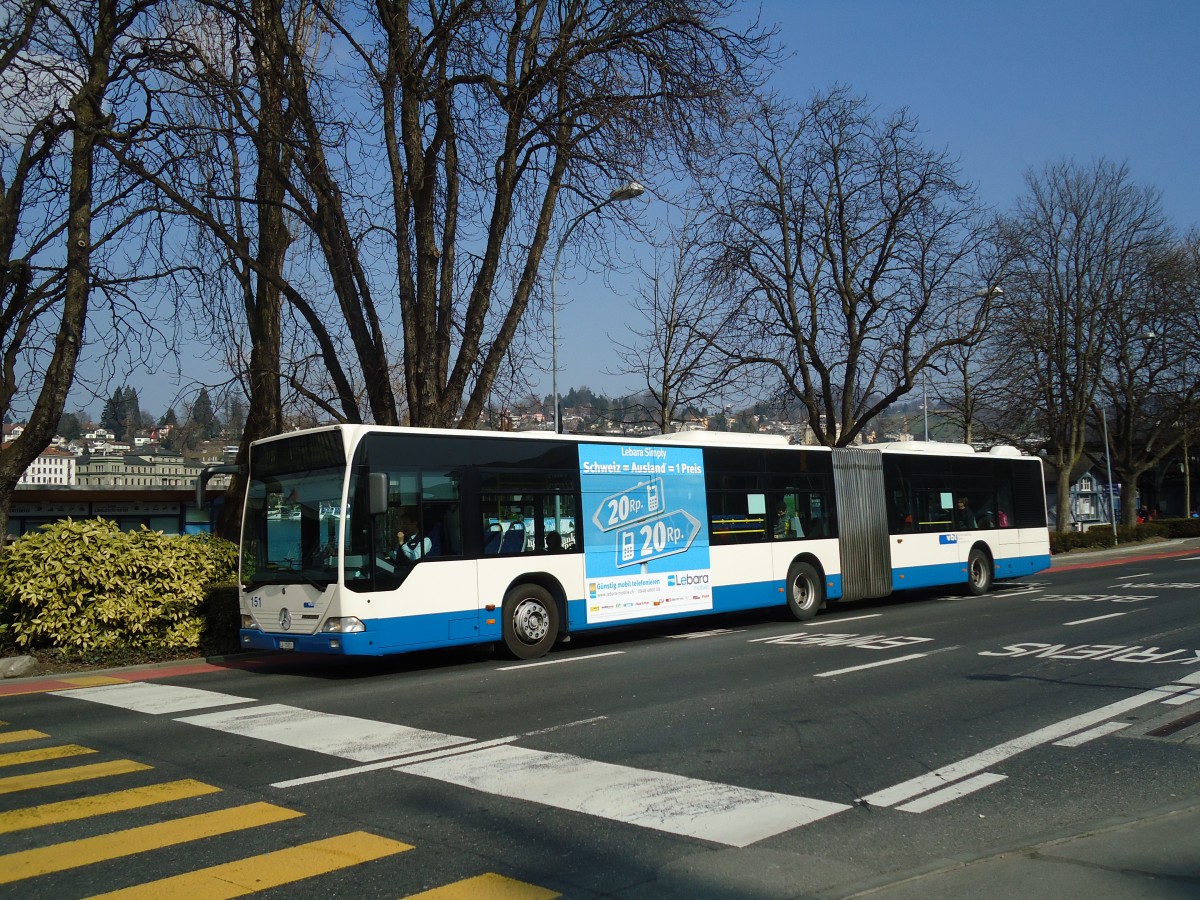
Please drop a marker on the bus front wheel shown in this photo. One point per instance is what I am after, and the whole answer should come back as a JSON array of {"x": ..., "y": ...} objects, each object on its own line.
[
  {"x": 804, "y": 591},
  {"x": 530, "y": 621},
  {"x": 979, "y": 572}
]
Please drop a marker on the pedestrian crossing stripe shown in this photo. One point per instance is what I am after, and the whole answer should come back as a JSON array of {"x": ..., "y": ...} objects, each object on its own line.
[
  {"x": 12, "y": 737},
  {"x": 21, "y": 757},
  {"x": 13, "y": 783},
  {"x": 487, "y": 887},
  {"x": 72, "y": 854},
  {"x": 267, "y": 870},
  {"x": 102, "y": 804}
]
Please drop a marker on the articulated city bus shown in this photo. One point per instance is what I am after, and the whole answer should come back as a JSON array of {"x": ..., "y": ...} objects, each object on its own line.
[{"x": 370, "y": 540}]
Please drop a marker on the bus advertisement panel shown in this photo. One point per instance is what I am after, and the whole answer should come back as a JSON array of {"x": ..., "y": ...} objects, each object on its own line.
[{"x": 646, "y": 544}]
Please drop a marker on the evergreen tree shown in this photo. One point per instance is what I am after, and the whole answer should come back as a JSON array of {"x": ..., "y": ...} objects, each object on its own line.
[
  {"x": 69, "y": 427},
  {"x": 204, "y": 417},
  {"x": 113, "y": 416},
  {"x": 131, "y": 415}
]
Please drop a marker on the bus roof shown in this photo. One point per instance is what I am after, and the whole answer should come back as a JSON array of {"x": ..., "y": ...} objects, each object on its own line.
[{"x": 697, "y": 438}]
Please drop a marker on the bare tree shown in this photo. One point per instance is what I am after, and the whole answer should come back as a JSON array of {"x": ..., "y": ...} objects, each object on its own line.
[
  {"x": 1150, "y": 382},
  {"x": 672, "y": 349},
  {"x": 58, "y": 62},
  {"x": 846, "y": 243},
  {"x": 484, "y": 118},
  {"x": 1083, "y": 241}
]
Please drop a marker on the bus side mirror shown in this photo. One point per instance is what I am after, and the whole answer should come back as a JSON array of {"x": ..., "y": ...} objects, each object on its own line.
[{"x": 377, "y": 492}]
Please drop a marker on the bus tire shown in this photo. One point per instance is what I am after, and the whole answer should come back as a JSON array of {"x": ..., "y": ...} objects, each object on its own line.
[
  {"x": 530, "y": 621},
  {"x": 804, "y": 591},
  {"x": 979, "y": 572}
]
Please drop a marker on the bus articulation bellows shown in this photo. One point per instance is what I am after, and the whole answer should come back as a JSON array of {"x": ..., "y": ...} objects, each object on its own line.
[{"x": 362, "y": 540}]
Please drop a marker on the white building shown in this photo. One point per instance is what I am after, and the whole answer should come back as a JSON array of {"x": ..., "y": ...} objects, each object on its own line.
[{"x": 53, "y": 466}]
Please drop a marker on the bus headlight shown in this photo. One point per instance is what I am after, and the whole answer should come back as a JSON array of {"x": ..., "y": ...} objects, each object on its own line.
[
  {"x": 248, "y": 622},
  {"x": 343, "y": 625}
]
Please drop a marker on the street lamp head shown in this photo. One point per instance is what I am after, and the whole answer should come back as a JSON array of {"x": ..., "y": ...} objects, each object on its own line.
[
  {"x": 1148, "y": 337},
  {"x": 990, "y": 292},
  {"x": 627, "y": 191}
]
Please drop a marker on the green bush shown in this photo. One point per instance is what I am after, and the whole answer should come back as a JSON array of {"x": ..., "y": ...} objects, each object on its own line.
[
  {"x": 86, "y": 585},
  {"x": 1101, "y": 536}
]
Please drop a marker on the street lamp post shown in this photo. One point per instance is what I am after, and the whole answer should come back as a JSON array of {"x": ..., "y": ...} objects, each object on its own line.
[
  {"x": 627, "y": 191},
  {"x": 1112, "y": 510}
]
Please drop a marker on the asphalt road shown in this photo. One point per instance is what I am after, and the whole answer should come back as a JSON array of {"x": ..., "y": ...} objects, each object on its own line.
[{"x": 736, "y": 757}]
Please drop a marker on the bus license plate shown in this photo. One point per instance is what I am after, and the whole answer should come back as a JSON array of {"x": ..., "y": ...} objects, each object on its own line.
[{"x": 287, "y": 645}]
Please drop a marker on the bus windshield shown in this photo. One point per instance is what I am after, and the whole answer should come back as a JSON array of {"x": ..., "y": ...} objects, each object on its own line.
[{"x": 293, "y": 512}]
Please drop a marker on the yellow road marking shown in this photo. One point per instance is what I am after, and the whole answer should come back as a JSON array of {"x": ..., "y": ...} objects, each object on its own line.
[
  {"x": 487, "y": 887},
  {"x": 92, "y": 680},
  {"x": 69, "y": 855},
  {"x": 14, "y": 783},
  {"x": 100, "y": 804},
  {"x": 28, "y": 756},
  {"x": 268, "y": 870},
  {"x": 11, "y": 737}
]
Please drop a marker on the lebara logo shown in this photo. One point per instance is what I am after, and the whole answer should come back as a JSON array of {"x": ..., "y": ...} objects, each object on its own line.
[{"x": 684, "y": 578}]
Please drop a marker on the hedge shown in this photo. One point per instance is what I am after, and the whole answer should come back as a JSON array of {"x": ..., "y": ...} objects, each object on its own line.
[
  {"x": 1101, "y": 536},
  {"x": 86, "y": 585}
]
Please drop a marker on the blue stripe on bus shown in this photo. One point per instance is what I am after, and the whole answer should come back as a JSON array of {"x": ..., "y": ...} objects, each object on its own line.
[
  {"x": 955, "y": 573},
  {"x": 465, "y": 626}
]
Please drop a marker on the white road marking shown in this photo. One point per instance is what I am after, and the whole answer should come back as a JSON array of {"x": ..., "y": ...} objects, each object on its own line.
[
  {"x": 953, "y": 792},
  {"x": 592, "y": 721},
  {"x": 721, "y": 813},
  {"x": 813, "y": 624},
  {"x": 153, "y": 698},
  {"x": 390, "y": 763},
  {"x": 346, "y": 737},
  {"x": 882, "y": 662},
  {"x": 554, "y": 662},
  {"x": 703, "y": 634},
  {"x": 839, "y": 621},
  {"x": 1030, "y": 589},
  {"x": 1187, "y": 559},
  {"x": 1180, "y": 699},
  {"x": 914, "y": 787},
  {"x": 1095, "y": 619},
  {"x": 1091, "y": 734}
]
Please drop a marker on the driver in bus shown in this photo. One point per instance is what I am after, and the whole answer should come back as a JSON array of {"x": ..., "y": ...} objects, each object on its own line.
[{"x": 410, "y": 545}]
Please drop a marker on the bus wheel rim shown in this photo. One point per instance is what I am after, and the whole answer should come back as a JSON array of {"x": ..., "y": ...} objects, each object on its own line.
[
  {"x": 802, "y": 593},
  {"x": 531, "y": 621}
]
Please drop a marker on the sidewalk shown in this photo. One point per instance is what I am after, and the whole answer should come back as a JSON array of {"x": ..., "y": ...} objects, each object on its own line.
[
  {"x": 1150, "y": 855},
  {"x": 1153, "y": 855}
]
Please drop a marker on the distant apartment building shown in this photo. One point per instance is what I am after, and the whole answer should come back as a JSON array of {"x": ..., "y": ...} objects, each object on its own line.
[
  {"x": 138, "y": 470},
  {"x": 51, "y": 467}
]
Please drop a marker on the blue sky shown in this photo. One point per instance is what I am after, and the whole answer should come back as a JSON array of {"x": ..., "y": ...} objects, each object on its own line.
[
  {"x": 1004, "y": 85},
  {"x": 1012, "y": 84}
]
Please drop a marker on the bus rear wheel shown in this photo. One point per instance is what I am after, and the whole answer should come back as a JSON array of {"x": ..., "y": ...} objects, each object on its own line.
[
  {"x": 979, "y": 572},
  {"x": 530, "y": 621},
  {"x": 804, "y": 591}
]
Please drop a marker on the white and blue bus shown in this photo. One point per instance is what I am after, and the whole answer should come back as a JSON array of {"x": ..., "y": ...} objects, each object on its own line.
[{"x": 363, "y": 540}]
